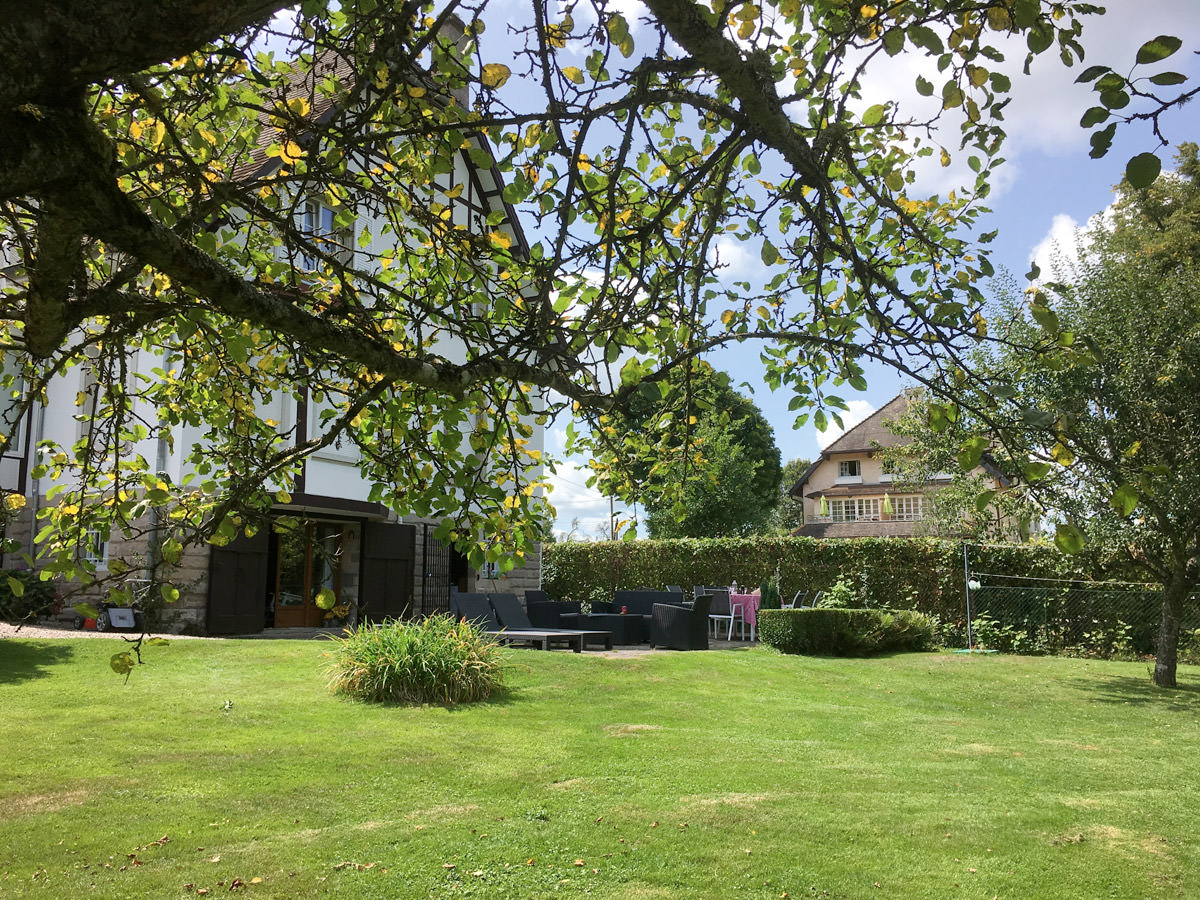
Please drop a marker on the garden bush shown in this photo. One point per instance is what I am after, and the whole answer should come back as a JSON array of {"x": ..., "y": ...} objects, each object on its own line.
[
  {"x": 36, "y": 598},
  {"x": 435, "y": 660},
  {"x": 845, "y": 632}
]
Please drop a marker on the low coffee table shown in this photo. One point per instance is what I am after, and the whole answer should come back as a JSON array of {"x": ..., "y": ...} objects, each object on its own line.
[{"x": 625, "y": 629}]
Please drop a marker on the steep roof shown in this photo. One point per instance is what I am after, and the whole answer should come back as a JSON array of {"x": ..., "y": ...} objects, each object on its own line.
[
  {"x": 868, "y": 434},
  {"x": 872, "y": 431}
]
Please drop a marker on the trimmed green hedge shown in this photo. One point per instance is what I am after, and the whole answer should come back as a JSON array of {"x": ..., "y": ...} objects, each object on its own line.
[
  {"x": 916, "y": 573},
  {"x": 844, "y": 632}
]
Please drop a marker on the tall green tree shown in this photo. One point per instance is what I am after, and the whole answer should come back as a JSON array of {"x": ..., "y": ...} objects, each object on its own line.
[
  {"x": 716, "y": 498},
  {"x": 660, "y": 451},
  {"x": 157, "y": 161},
  {"x": 1104, "y": 425}
]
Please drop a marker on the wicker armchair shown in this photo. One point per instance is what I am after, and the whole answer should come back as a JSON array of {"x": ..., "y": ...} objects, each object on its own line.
[{"x": 681, "y": 628}]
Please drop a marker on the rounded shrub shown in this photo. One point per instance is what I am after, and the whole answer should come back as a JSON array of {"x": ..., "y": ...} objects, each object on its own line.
[
  {"x": 845, "y": 632},
  {"x": 433, "y": 660}
]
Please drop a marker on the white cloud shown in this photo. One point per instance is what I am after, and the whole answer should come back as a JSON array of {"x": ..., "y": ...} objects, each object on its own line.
[
  {"x": 571, "y": 496},
  {"x": 1059, "y": 246},
  {"x": 1046, "y": 105},
  {"x": 859, "y": 410}
]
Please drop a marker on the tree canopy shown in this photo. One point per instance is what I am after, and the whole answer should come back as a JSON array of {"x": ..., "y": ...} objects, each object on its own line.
[
  {"x": 157, "y": 161},
  {"x": 699, "y": 453},
  {"x": 1103, "y": 426}
]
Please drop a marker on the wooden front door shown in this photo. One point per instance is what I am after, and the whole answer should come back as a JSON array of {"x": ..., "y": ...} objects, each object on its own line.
[{"x": 308, "y": 576}]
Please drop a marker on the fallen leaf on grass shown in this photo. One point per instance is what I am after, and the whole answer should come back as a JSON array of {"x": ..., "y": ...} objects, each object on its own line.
[
  {"x": 216, "y": 858},
  {"x": 448, "y": 865},
  {"x": 579, "y": 862},
  {"x": 363, "y": 866}
]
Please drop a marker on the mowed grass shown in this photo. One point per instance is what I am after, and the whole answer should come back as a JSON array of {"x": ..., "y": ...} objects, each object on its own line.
[{"x": 701, "y": 775}]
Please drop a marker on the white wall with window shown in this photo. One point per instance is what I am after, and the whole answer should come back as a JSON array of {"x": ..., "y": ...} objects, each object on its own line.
[{"x": 849, "y": 471}]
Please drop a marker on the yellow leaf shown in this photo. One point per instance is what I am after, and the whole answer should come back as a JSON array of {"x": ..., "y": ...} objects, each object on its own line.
[
  {"x": 500, "y": 239},
  {"x": 945, "y": 157},
  {"x": 494, "y": 75},
  {"x": 160, "y": 131},
  {"x": 299, "y": 106},
  {"x": 746, "y": 30},
  {"x": 290, "y": 153},
  {"x": 573, "y": 74}
]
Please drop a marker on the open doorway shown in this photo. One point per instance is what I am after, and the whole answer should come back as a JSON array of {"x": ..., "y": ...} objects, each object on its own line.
[{"x": 306, "y": 563}]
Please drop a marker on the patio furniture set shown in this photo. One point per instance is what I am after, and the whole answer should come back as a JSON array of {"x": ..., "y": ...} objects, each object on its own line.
[{"x": 666, "y": 619}]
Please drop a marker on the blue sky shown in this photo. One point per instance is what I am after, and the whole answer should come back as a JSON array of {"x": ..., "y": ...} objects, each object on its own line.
[{"x": 1049, "y": 187}]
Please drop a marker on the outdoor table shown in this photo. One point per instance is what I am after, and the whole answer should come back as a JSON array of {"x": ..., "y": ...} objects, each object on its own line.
[
  {"x": 625, "y": 629},
  {"x": 749, "y": 604}
]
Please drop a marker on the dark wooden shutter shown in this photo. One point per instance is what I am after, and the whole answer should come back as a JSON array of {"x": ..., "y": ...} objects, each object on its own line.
[
  {"x": 386, "y": 578},
  {"x": 237, "y": 585}
]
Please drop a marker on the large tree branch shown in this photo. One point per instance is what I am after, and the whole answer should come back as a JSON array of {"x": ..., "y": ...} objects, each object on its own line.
[
  {"x": 108, "y": 214},
  {"x": 51, "y": 50},
  {"x": 750, "y": 79}
]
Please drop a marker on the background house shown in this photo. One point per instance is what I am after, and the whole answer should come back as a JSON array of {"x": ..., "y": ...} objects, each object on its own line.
[{"x": 851, "y": 491}]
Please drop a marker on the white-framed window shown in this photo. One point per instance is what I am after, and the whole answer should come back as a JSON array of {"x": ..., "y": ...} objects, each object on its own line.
[
  {"x": 906, "y": 509},
  {"x": 862, "y": 509},
  {"x": 317, "y": 221},
  {"x": 95, "y": 548},
  {"x": 849, "y": 470}
]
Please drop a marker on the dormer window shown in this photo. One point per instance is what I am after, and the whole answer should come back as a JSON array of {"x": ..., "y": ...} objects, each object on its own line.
[{"x": 849, "y": 470}]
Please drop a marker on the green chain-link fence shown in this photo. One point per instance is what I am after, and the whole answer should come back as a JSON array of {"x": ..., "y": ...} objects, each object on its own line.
[{"x": 1042, "y": 616}]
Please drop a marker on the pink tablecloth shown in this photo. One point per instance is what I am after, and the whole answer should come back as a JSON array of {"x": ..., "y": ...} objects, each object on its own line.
[{"x": 749, "y": 604}]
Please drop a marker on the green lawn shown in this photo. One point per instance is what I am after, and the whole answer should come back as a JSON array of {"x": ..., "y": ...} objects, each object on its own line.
[{"x": 706, "y": 775}]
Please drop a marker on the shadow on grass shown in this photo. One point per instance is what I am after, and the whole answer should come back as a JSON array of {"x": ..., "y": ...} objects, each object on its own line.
[
  {"x": 26, "y": 660},
  {"x": 1141, "y": 691}
]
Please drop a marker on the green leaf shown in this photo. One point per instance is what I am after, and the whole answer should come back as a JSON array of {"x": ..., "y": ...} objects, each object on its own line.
[
  {"x": 1158, "y": 48},
  {"x": 169, "y": 592},
  {"x": 983, "y": 500},
  {"x": 893, "y": 41},
  {"x": 971, "y": 452},
  {"x": 1115, "y": 99},
  {"x": 874, "y": 115},
  {"x": 1034, "y": 271},
  {"x": 924, "y": 87},
  {"x": 1091, "y": 73},
  {"x": 121, "y": 663},
  {"x": 1068, "y": 538},
  {"x": 16, "y": 586},
  {"x": 926, "y": 37},
  {"x": 1044, "y": 316},
  {"x": 1168, "y": 78},
  {"x": 1041, "y": 36},
  {"x": 1094, "y": 116},
  {"x": 87, "y": 610},
  {"x": 1124, "y": 500},
  {"x": 1036, "y": 471},
  {"x": 325, "y": 599},
  {"x": 1142, "y": 169},
  {"x": 1037, "y": 418},
  {"x": 769, "y": 254}
]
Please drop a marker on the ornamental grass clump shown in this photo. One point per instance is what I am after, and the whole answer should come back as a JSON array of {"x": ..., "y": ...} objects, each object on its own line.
[{"x": 435, "y": 660}]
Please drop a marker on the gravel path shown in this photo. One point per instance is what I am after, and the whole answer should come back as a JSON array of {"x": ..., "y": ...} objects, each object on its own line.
[{"x": 47, "y": 632}]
